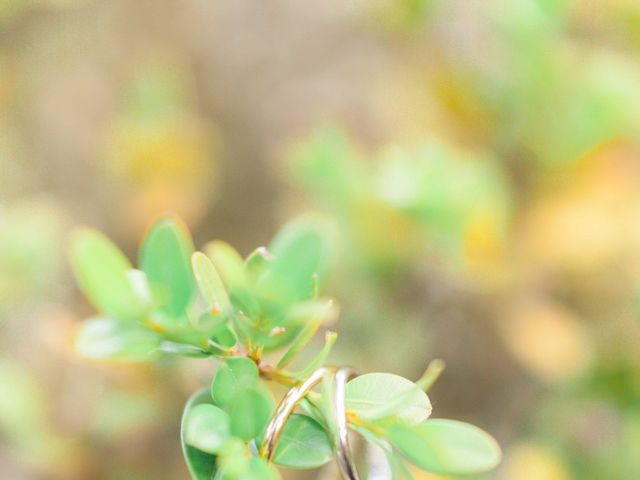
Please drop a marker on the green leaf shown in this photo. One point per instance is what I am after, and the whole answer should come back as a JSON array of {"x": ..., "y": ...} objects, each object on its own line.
[
  {"x": 320, "y": 358},
  {"x": 303, "y": 444},
  {"x": 211, "y": 286},
  {"x": 165, "y": 256},
  {"x": 225, "y": 336},
  {"x": 230, "y": 266},
  {"x": 259, "y": 469},
  {"x": 376, "y": 396},
  {"x": 250, "y": 412},
  {"x": 209, "y": 322},
  {"x": 201, "y": 465},
  {"x": 446, "y": 447},
  {"x": 235, "y": 464},
  {"x": 207, "y": 428},
  {"x": 310, "y": 314},
  {"x": 299, "y": 251},
  {"x": 256, "y": 263},
  {"x": 107, "y": 338},
  {"x": 233, "y": 376},
  {"x": 329, "y": 168},
  {"x": 102, "y": 272},
  {"x": 183, "y": 349}
]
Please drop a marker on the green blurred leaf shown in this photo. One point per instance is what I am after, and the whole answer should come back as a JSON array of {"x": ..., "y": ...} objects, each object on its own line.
[
  {"x": 230, "y": 265},
  {"x": 183, "y": 349},
  {"x": 23, "y": 402},
  {"x": 303, "y": 444},
  {"x": 376, "y": 396},
  {"x": 107, "y": 338},
  {"x": 101, "y": 270},
  {"x": 327, "y": 166},
  {"x": 207, "y": 428},
  {"x": 320, "y": 358},
  {"x": 300, "y": 251},
  {"x": 250, "y": 412},
  {"x": 165, "y": 256},
  {"x": 237, "y": 465},
  {"x": 225, "y": 336},
  {"x": 211, "y": 286},
  {"x": 256, "y": 263},
  {"x": 201, "y": 465},
  {"x": 446, "y": 447},
  {"x": 311, "y": 315},
  {"x": 233, "y": 376}
]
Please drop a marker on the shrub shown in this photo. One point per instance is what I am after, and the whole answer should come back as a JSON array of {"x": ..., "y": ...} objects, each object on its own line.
[{"x": 255, "y": 316}]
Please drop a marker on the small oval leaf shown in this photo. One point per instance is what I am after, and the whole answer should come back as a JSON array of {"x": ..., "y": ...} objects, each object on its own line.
[
  {"x": 201, "y": 465},
  {"x": 211, "y": 286},
  {"x": 233, "y": 376},
  {"x": 376, "y": 396},
  {"x": 250, "y": 412},
  {"x": 207, "y": 428},
  {"x": 303, "y": 444},
  {"x": 446, "y": 447},
  {"x": 102, "y": 272},
  {"x": 300, "y": 252},
  {"x": 165, "y": 256}
]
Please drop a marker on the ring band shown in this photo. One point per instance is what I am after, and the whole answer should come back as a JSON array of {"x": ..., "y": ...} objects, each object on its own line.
[
  {"x": 285, "y": 409},
  {"x": 345, "y": 457},
  {"x": 338, "y": 404}
]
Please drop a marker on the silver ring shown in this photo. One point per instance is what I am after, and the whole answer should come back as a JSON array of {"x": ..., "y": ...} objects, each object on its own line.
[{"x": 345, "y": 457}]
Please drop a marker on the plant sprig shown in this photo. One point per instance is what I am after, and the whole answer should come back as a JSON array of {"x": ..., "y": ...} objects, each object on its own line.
[{"x": 244, "y": 312}]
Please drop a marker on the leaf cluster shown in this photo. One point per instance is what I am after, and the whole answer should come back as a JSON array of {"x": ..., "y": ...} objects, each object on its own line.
[{"x": 243, "y": 312}]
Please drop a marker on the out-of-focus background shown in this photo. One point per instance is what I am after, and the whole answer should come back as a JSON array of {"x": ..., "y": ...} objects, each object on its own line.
[{"x": 480, "y": 161}]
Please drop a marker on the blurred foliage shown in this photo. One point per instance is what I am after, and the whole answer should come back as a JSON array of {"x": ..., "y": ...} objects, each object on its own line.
[
  {"x": 480, "y": 168},
  {"x": 159, "y": 149}
]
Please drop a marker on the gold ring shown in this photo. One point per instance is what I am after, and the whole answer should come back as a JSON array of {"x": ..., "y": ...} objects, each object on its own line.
[
  {"x": 291, "y": 400},
  {"x": 285, "y": 409}
]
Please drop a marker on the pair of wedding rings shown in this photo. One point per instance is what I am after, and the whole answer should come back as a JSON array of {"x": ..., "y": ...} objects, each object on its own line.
[{"x": 340, "y": 377}]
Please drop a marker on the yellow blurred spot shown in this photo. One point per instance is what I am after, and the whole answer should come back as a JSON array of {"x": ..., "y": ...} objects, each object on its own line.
[
  {"x": 529, "y": 461},
  {"x": 546, "y": 339},
  {"x": 422, "y": 475},
  {"x": 378, "y": 225},
  {"x": 483, "y": 242},
  {"x": 585, "y": 222},
  {"x": 169, "y": 164}
]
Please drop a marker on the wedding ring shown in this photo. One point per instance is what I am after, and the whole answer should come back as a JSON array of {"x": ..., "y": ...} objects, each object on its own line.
[{"x": 291, "y": 400}]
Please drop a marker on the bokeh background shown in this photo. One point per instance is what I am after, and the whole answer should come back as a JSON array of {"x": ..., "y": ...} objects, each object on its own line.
[{"x": 479, "y": 159}]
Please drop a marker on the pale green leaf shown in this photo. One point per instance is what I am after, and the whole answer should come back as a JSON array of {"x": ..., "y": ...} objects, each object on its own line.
[
  {"x": 376, "y": 396},
  {"x": 303, "y": 444},
  {"x": 107, "y": 338},
  {"x": 207, "y": 428},
  {"x": 233, "y": 376},
  {"x": 165, "y": 257},
  {"x": 102, "y": 272},
  {"x": 250, "y": 412},
  {"x": 211, "y": 286},
  {"x": 446, "y": 447},
  {"x": 201, "y": 465}
]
